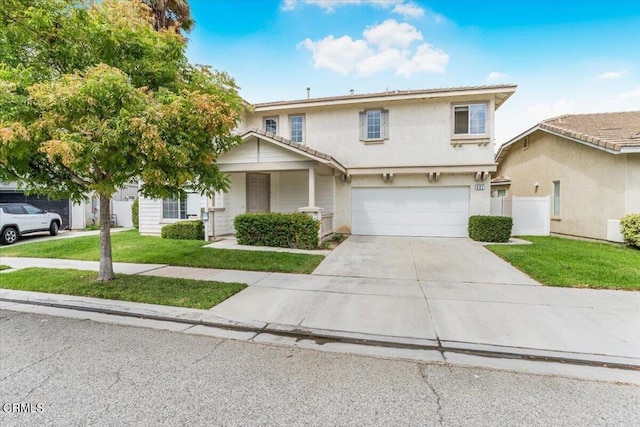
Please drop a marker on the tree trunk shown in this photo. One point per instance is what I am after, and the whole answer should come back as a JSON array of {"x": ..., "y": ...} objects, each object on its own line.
[{"x": 106, "y": 263}]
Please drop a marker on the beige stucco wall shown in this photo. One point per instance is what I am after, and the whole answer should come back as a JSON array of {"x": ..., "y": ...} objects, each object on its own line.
[
  {"x": 595, "y": 186},
  {"x": 632, "y": 194},
  {"x": 419, "y": 133}
]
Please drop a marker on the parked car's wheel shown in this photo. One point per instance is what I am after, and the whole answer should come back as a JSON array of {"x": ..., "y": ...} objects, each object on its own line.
[
  {"x": 53, "y": 228},
  {"x": 9, "y": 236}
]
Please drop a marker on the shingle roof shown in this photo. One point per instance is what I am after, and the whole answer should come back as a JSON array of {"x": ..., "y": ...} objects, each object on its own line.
[
  {"x": 294, "y": 145},
  {"x": 610, "y": 130},
  {"x": 613, "y": 132},
  {"x": 392, "y": 93}
]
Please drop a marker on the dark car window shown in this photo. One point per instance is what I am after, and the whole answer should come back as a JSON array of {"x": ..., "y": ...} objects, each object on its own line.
[
  {"x": 15, "y": 210},
  {"x": 32, "y": 209}
]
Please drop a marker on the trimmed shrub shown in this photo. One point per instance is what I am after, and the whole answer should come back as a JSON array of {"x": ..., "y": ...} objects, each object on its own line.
[
  {"x": 282, "y": 230},
  {"x": 184, "y": 230},
  {"x": 630, "y": 229},
  {"x": 135, "y": 213},
  {"x": 485, "y": 228}
]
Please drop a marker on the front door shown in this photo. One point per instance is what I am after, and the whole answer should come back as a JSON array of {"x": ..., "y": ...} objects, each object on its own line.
[{"x": 258, "y": 189}]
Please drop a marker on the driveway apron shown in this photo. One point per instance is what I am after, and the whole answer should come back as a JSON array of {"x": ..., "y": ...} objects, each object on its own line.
[{"x": 444, "y": 291}]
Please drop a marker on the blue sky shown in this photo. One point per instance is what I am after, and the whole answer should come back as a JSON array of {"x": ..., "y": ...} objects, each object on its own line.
[{"x": 565, "y": 56}]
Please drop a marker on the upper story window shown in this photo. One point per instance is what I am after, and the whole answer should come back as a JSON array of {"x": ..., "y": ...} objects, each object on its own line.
[
  {"x": 374, "y": 125},
  {"x": 174, "y": 208},
  {"x": 271, "y": 124},
  {"x": 470, "y": 119},
  {"x": 296, "y": 125}
]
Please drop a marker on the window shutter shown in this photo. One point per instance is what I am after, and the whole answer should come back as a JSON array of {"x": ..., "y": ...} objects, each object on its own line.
[
  {"x": 363, "y": 125},
  {"x": 385, "y": 124}
]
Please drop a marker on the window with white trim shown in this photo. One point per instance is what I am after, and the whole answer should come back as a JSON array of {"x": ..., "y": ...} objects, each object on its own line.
[
  {"x": 296, "y": 126},
  {"x": 374, "y": 125},
  {"x": 271, "y": 124},
  {"x": 173, "y": 208},
  {"x": 470, "y": 119},
  {"x": 556, "y": 198}
]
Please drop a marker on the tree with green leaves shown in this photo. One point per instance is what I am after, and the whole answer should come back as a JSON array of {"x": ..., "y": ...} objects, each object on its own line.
[{"x": 92, "y": 97}]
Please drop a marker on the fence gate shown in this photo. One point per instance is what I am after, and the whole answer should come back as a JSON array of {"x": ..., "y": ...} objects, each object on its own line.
[{"x": 531, "y": 215}]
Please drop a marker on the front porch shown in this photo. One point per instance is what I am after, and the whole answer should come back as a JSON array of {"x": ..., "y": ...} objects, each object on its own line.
[{"x": 271, "y": 174}]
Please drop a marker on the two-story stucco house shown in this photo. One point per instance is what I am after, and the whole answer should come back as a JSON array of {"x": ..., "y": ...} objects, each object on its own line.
[{"x": 406, "y": 163}]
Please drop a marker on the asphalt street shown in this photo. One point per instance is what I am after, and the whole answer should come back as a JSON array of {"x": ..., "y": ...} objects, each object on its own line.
[{"x": 59, "y": 371}]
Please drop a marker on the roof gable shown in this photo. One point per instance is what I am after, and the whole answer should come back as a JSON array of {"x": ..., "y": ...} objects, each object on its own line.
[{"x": 296, "y": 151}]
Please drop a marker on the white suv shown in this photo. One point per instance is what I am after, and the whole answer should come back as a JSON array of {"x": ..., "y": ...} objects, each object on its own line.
[{"x": 17, "y": 219}]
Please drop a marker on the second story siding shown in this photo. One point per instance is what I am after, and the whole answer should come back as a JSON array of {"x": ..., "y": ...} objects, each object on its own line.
[{"x": 417, "y": 132}]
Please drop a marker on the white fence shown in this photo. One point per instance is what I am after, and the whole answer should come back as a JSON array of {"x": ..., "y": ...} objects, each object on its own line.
[
  {"x": 326, "y": 225},
  {"x": 531, "y": 215},
  {"x": 122, "y": 211}
]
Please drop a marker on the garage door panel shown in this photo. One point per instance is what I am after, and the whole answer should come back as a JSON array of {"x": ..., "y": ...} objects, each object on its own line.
[{"x": 441, "y": 211}]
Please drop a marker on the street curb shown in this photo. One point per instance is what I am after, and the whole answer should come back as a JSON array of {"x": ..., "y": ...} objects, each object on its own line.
[{"x": 195, "y": 317}]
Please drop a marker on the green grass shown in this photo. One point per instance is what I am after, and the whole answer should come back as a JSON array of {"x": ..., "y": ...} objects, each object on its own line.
[
  {"x": 146, "y": 289},
  {"x": 129, "y": 246},
  {"x": 4, "y": 267},
  {"x": 556, "y": 261}
]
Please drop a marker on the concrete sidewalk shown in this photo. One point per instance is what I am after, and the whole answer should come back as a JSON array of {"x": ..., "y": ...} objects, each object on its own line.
[{"x": 511, "y": 320}]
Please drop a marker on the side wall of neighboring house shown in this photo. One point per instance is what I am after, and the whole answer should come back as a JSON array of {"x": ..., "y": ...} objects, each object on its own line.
[{"x": 592, "y": 182}]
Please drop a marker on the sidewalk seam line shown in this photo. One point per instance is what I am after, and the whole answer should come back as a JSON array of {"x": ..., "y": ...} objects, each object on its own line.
[{"x": 330, "y": 338}]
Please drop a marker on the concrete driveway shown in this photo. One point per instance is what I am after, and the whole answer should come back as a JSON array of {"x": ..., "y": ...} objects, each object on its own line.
[
  {"x": 451, "y": 293},
  {"x": 419, "y": 258}
]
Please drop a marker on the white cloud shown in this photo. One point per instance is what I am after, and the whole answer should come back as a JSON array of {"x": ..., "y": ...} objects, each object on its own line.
[
  {"x": 630, "y": 95},
  {"x": 288, "y": 4},
  {"x": 538, "y": 112},
  {"x": 496, "y": 75},
  {"x": 384, "y": 60},
  {"x": 612, "y": 75},
  {"x": 340, "y": 55},
  {"x": 385, "y": 47},
  {"x": 391, "y": 34},
  {"x": 408, "y": 10},
  {"x": 427, "y": 59},
  {"x": 405, "y": 8}
]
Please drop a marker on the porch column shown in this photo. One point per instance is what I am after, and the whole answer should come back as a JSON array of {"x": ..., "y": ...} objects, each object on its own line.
[{"x": 312, "y": 188}]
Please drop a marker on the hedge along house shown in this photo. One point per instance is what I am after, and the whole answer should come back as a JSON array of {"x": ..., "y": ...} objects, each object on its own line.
[{"x": 405, "y": 163}]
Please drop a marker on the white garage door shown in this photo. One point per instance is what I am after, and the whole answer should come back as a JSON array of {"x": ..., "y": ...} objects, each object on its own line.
[{"x": 433, "y": 211}]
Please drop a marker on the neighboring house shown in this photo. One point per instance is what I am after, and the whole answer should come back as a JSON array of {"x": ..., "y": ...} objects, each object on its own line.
[
  {"x": 74, "y": 216},
  {"x": 588, "y": 164},
  {"x": 10, "y": 193},
  {"x": 409, "y": 163}
]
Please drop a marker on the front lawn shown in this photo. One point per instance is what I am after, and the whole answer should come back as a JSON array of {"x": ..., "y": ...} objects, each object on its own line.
[
  {"x": 146, "y": 289},
  {"x": 556, "y": 261},
  {"x": 129, "y": 246}
]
